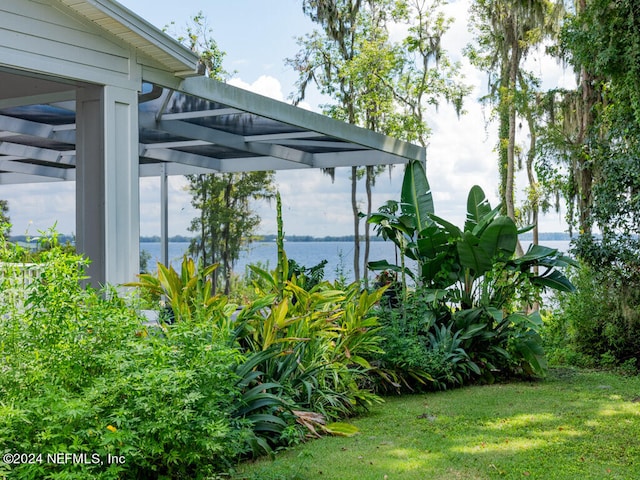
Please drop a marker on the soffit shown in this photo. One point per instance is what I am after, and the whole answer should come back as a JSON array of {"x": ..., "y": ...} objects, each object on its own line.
[{"x": 137, "y": 32}]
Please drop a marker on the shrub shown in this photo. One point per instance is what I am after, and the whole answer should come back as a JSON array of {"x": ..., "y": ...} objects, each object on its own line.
[
  {"x": 316, "y": 338},
  {"x": 602, "y": 318},
  {"x": 82, "y": 375}
]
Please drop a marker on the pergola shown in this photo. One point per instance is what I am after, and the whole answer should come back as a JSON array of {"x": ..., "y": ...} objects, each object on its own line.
[{"x": 92, "y": 93}]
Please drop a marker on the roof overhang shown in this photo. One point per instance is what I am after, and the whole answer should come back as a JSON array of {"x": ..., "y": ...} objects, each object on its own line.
[
  {"x": 137, "y": 32},
  {"x": 202, "y": 126}
]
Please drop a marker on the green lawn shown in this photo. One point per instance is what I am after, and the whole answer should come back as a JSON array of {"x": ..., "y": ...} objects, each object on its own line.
[{"x": 573, "y": 425}]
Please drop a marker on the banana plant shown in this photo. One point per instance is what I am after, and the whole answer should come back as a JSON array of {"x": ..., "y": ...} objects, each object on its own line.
[
  {"x": 447, "y": 255},
  {"x": 477, "y": 268}
]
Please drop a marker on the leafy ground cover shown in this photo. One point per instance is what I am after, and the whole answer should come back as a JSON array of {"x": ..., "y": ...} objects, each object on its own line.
[{"x": 574, "y": 424}]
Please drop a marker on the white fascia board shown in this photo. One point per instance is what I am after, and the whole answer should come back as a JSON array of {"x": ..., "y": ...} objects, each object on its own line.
[{"x": 247, "y": 101}]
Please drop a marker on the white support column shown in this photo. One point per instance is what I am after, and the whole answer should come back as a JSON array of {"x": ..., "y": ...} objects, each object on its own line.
[
  {"x": 107, "y": 183},
  {"x": 164, "y": 216}
]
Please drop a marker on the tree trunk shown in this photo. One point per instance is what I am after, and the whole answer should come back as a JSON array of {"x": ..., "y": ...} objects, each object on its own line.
[
  {"x": 583, "y": 168},
  {"x": 533, "y": 183},
  {"x": 511, "y": 141},
  {"x": 584, "y": 171},
  {"x": 511, "y": 145}
]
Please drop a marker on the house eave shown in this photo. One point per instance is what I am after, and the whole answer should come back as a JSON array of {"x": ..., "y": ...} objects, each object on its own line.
[{"x": 137, "y": 32}]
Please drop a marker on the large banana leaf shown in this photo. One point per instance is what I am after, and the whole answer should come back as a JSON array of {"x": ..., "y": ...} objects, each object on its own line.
[
  {"x": 432, "y": 241},
  {"x": 472, "y": 256},
  {"x": 555, "y": 280},
  {"x": 416, "y": 193},
  {"x": 486, "y": 221},
  {"x": 535, "y": 253},
  {"x": 432, "y": 267},
  {"x": 499, "y": 239},
  {"x": 545, "y": 256},
  {"x": 446, "y": 227},
  {"x": 477, "y": 208}
]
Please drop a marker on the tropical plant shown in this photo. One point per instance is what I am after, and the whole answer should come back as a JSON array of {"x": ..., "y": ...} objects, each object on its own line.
[
  {"x": 188, "y": 294},
  {"x": 315, "y": 339},
  {"x": 472, "y": 274}
]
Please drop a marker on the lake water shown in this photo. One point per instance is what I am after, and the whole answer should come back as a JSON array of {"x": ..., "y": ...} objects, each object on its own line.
[{"x": 339, "y": 255}]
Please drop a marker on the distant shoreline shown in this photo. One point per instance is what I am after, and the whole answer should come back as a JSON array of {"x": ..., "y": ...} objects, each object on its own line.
[{"x": 548, "y": 236}]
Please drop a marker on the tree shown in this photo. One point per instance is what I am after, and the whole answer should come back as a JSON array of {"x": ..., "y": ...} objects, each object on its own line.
[
  {"x": 379, "y": 84},
  {"x": 322, "y": 60},
  {"x": 5, "y": 225},
  {"x": 601, "y": 42},
  {"x": 506, "y": 32},
  {"x": 4, "y": 212},
  {"x": 597, "y": 147},
  {"x": 226, "y": 221}
]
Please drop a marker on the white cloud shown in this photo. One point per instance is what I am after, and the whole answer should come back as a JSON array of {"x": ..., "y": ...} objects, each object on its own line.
[{"x": 265, "y": 85}]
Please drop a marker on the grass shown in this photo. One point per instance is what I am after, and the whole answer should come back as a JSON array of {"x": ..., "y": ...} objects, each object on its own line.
[{"x": 572, "y": 425}]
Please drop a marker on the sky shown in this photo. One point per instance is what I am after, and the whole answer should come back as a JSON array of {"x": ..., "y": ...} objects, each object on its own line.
[{"x": 257, "y": 36}]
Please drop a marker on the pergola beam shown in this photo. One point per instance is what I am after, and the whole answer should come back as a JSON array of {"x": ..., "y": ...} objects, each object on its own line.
[
  {"x": 40, "y": 99},
  {"x": 26, "y": 152},
  {"x": 37, "y": 170},
  {"x": 259, "y": 105},
  {"x": 201, "y": 114},
  {"x": 184, "y": 158},
  {"x": 11, "y": 126},
  {"x": 236, "y": 142}
]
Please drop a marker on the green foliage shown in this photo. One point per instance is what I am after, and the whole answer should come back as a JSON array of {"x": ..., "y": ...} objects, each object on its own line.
[
  {"x": 4, "y": 218},
  {"x": 189, "y": 294},
  {"x": 476, "y": 286},
  {"x": 145, "y": 256},
  {"x": 83, "y": 375},
  {"x": 321, "y": 338},
  {"x": 312, "y": 341},
  {"x": 198, "y": 38},
  {"x": 600, "y": 40},
  {"x": 601, "y": 318},
  {"x": 309, "y": 276}
]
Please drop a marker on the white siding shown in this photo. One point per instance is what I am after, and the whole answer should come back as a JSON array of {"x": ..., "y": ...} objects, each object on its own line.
[{"x": 39, "y": 37}]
